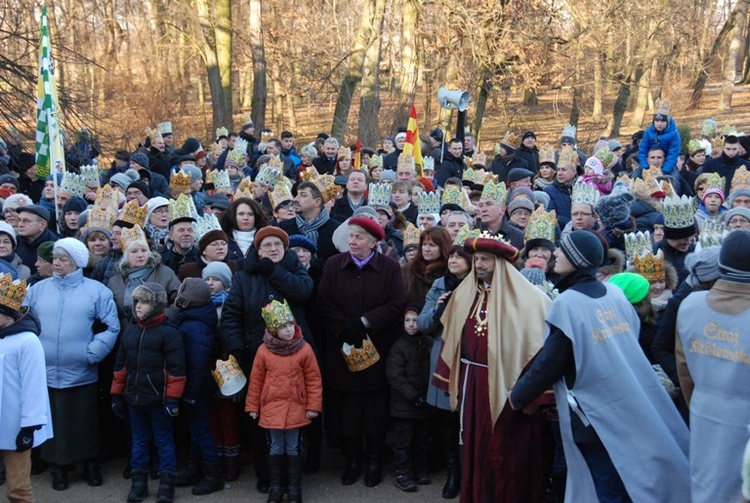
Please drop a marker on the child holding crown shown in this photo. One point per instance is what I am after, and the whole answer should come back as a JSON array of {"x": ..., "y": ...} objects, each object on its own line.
[{"x": 286, "y": 390}]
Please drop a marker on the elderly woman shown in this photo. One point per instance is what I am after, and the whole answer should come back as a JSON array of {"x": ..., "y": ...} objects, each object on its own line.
[
  {"x": 157, "y": 222},
  {"x": 240, "y": 222},
  {"x": 307, "y": 154},
  {"x": 212, "y": 247},
  {"x": 68, "y": 306},
  {"x": 361, "y": 294},
  {"x": 270, "y": 272},
  {"x": 8, "y": 243},
  {"x": 430, "y": 263}
]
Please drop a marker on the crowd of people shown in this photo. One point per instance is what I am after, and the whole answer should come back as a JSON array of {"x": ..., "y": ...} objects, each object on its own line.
[{"x": 542, "y": 323}]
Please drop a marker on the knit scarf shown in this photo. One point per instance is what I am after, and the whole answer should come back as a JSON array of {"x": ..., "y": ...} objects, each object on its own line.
[
  {"x": 281, "y": 347},
  {"x": 218, "y": 298},
  {"x": 157, "y": 235},
  {"x": 134, "y": 278},
  {"x": 244, "y": 239},
  {"x": 310, "y": 229}
]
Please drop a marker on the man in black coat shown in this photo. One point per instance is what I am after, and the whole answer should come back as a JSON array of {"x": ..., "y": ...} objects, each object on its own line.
[
  {"x": 312, "y": 220},
  {"x": 506, "y": 160},
  {"x": 32, "y": 231},
  {"x": 727, "y": 163},
  {"x": 528, "y": 151},
  {"x": 453, "y": 163},
  {"x": 354, "y": 198},
  {"x": 326, "y": 163},
  {"x": 390, "y": 161}
]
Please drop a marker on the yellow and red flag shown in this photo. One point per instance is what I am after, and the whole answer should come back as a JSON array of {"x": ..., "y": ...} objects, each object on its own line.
[
  {"x": 358, "y": 155},
  {"x": 413, "y": 146}
]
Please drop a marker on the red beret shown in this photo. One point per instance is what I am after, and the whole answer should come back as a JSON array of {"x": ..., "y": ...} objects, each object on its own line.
[
  {"x": 271, "y": 231},
  {"x": 492, "y": 246},
  {"x": 427, "y": 184},
  {"x": 370, "y": 226}
]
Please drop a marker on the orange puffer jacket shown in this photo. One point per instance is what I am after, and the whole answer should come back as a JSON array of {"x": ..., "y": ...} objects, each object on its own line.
[{"x": 284, "y": 388}]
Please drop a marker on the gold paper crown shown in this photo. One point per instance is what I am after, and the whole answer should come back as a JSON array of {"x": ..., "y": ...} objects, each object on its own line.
[
  {"x": 245, "y": 189},
  {"x": 712, "y": 233},
  {"x": 153, "y": 135},
  {"x": 132, "y": 235},
  {"x": 72, "y": 184},
  {"x": 411, "y": 235},
  {"x": 495, "y": 191},
  {"x": 133, "y": 213},
  {"x": 428, "y": 204},
  {"x": 479, "y": 159},
  {"x": 221, "y": 181},
  {"x": 715, "y": 181},
  {"x": 728, "y": 131},
  {"x": 180, "y": 181},
  {"x": 541, "y": 225},
  {"x": 379, "y": 194},
  {"x": 376, "y": 161},
  {"x": 360, "y": 359},
  {"x": 182, "y": 207},
  {"x": 107, "y": 197},
  {"x": 709, "y": 128},
  {"x": 344, "y": 152},
  {"x": 717, "y": 144},
  {"x": 662, "y": 106},
  {"x": 205, "y": 224},
  {"x": 568, "y": 158},
  {"x": 265, "y": 136},
  {"x": 452, "y": 195},
  {"x": 275, "y": 163},
  {"x": 741, "y": 179},
  {"x": 326, "y": 184},
  {"x": 99, "y": 217},
  {"x": 165, "y": 128},
  {"x": 584, "y": 193},
  {"x": 547, "y": 154},
  {"x": 268, "y": 176},
  {"x": 694, "y": 146},
  {"x": 428, "y": 163},
  {"x": 510, "y": 139},
  {"x": 90, "y": 176},
  {"x": 310, "y": 174},
  {"x": 667, "y": 188},
  {"x": 650, "y": 266},
  {"x": 276, "y": 314},
  {"x": 637, "y": 243},
  {"x": 221, "y": 131},
  {"x": 678, "y": 212},
  {"x": 279, "y": 194},
  {"x": 647, "y": 187},
  {"x": 469, "y": 175},
  {"x": 237, "y": 156},
  {"x": 465, "y": 233},
  {"x": 605, "y": 155},
  {"x": 405, "y": 161},
  {"x": 12, "y": 292}
]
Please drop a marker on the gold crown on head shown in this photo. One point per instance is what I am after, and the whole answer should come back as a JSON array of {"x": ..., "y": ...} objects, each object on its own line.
[
  {"x": 379, "y": 194},
  {"x": 221, "y": 131},
  {"x": 479, "y": 159},
  {"x": 541, "y": 225},
  {"x": 717, "y": 145},
  {"x": 715, "y": 181},
  {"x": 428, "y": 163},
  {"x": 220, "y": 179},
  {"x": 205, "y": 224},
  {"x": 712, "y": 233},
  {"x": 605, "y": 155},
  {"x": 510, "y": 139},
  {"x": 650, "y": 266},
  {"x": 694, "y": 146},
  {"x": 268, "y": 176},
  {"x": 99, "y": 217},
  {"x": 279, "y": 194},
  {"x": 276, "y": 314},
  {"x": 662, "y": 106},
  {"x": 568, "y": 158},
  {"x": 265, "y": 136},
  {"x": 180, "y": 181},
  {"x": 165, "y": 128},
  {"x": 678, "y": 212},
  {"x": 133, "y": 213},
  {"x": 237, "y": 156},
  {"x": 344, "y": 152},
  {"x": 647, "y": 187},
  {"x": 411, "y": 235},
  {"x": 547, "y": 154},
  {"x": 12, "y": 292},
  {"x": 466, "y": 232},
  {"x": 709, "y": 128},
  {"x": 741, "y": 179},
  {"x": 584, "y": 193},
  {"x": 275, "y": 163},
  {"x": 90, "y": 176},
  {"x": 428, "y": 203},
  {"x": 453, "y": 195},
  {"x": 310, "y": 174},
  {"x": 376, "y": 161},
  {"x": 360, "y": 359},
  {"x": 326, "y": 184},
  {"x": 637, "y": 243},
  {"x": 72, "y": 184},
  {"x": 495, "y": 191},
  {"x": 182, "y": 207},
  {"x": 405, "y": 161},
  {"x": 107, "y": 197},
  {"x": 245, "y": 189},
  {"x": 129, "y": 236},
  {"x": 154, "y": 135}
]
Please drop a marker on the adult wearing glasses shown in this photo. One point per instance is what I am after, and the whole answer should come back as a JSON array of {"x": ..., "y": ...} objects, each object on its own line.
[{"x": 33, "y": 222}]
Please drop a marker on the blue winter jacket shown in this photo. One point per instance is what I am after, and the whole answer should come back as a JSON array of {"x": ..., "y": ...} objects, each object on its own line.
[
  {"x": 198, "y": 328},
  {"x": 669, "y": 140},
  {"x": 67, "y": 308},
  {"x": 559, "y": 200}
]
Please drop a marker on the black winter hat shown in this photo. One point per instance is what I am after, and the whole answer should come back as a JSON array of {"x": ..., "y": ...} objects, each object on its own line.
[
  {"x": 142, "y": 187},
  {"x": 9, "y": 179},
  {"x": 734, "y": 261},
  {"x": 75, "y": 203},
  {"x": 528, "y": 134},
  {"x": 583, "y": 249}
]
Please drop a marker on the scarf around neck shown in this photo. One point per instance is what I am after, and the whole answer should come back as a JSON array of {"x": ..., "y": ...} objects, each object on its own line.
[
  {"x": 310, "y": 229},
  {"x": 281, "y": 347},
  {"x": 244, "y": 239},
  {"x": 218, "y": 298},
  {"x": 134, "y": 278},
  {"x": 361, "y": 263}
]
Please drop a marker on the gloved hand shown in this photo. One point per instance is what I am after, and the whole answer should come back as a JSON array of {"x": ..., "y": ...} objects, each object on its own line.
[
  {"x": 266, "y": 266},
  {"x": 118, "y": 406},
  {"x": 354, "y": 332},
  {"x": 25, "y": 438},
  {"x": 419, "y": 402},
  {"x": 171, "y": 407}
]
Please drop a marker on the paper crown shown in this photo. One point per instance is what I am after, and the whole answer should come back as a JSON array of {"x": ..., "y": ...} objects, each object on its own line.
[
  {"x": 479, "y": 159},
  {"x": 584, "y": 193},
  {"x": 180, "y": 181},
  {"x": 453, "y": 195},
  {"x": 678, "y": 212},
  {"x": 165, "y": 128},
  {"x": 12, "y": 292},
  {"x": 360, "y": 359},
  {"x": 547, "y": 154},
  {"x": 650, "y": 266},
  {"x": 715, "y": 181},
  {"x": 344, "y": 152},
  {"x": 428, "y": 163},
  {"x": 541, "y": 225},
  {"x": 276, "y": 314},
  {"x": 72, "y": 184},
  {"x": 605, "y": 155},
  {"x": 310, "y": 174},
  {"x": 241, "y": 144},
  {"x": 154, "y": 135},
  {"x": 133, "y": 213},
  {"x": 182, "y": 207},
  {"x": 478, "y": 176},
  {"x": 379, "y": 194},
  {"x": 405, "y": 161},
  {"x": 265, "y": 136},
  {"x": 129, "y": 236},
  {"x": 662, "y": 106},
  {"x": 428, "y": 203},
  {"x": 90, "y": 176},
  {"x": 237, "y": 157},
  {"x": 667, "y": 188},
  {"x": 717, "y": 144},
  {"x": 411, "y": 235},
  {"x": 466, "y": 232},
  {"x": 495, "y": 191},
  {"x": 568, "y": 158},
  {"x": 741, "y": 179},
  {"x": 637, "y": 243},
  {"x": 326, "y": 184},
  {"x": 205, "y": 224},
  {"x": 709, "y": 128},
  {"x": 279, "y": 194},
  {"x": 569, "y": 130},
  {"x": 647, "y": 187},
  {"x": 376, "y": 161},
  {"x": 221, "y": 131},
  {"x": 220, "y": 179},
  {"x": 694, "y": 146},
  {"x": 729, "y": 131},
  {"x": 712, "y": 233},
  {"x": 268, "y": 176},
  {"x": 510, "y": 139},
  {"x": 245, "y": 189},
  {"x": 99, "y": 217},
  {"x": 107, "y": 197}
]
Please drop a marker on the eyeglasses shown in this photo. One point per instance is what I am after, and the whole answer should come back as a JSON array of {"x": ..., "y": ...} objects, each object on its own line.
[{"x": 270, "y": 246}]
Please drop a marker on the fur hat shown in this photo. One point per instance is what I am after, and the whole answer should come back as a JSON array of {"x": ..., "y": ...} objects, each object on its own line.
[
  {"x": 614, "y": 210},
  {"x": 76, "y": 250},
  {"x": 151, "y": 293}
]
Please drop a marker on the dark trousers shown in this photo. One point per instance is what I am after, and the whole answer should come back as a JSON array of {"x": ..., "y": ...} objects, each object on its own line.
[
  {"x": 608, "y": 484},
  {"x": 149, "y": 423},
  {"x": 410, "y": 440},
  {"x": 201, "y": 440}
]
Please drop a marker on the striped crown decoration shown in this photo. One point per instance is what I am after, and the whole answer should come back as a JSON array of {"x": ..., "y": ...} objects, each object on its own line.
[
  {"x": 379, "y": 194},
  {"x": 637, "y": 243}
]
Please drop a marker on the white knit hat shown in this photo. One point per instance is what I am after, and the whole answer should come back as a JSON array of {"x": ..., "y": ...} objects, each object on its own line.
[
  {"x": 76, "y": 250},
  {"x": 6, "y": 228}
]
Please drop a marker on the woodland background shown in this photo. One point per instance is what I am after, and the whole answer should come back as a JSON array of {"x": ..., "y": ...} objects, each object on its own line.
[{"x": 353, "y": 68}]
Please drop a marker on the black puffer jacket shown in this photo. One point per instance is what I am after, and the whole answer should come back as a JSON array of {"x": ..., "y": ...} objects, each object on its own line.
[{"x": 408, "y": 372}]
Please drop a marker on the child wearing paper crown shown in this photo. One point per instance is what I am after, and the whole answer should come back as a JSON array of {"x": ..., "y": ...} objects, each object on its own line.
[{"x": 286, "y": 391}]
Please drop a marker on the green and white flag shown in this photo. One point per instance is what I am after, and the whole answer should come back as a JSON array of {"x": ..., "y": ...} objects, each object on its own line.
[{"x": 50, "y": 155}]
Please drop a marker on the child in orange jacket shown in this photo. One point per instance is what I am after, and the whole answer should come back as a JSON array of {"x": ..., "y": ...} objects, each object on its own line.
[{"x": 286, "y": 391}]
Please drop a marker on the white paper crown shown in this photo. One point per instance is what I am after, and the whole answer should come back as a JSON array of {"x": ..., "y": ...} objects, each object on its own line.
[
  {"x": 584, "y": 193},
  {"x": 429, "y": 203},
  {"x": 569, "y": 130},
  {"x": 712, "y": 233},
  {"x": 221, "y": 180},
  {"x": 241, "y": 146},
  {"x": 637, "y": 243},
  {"x": 428, "y": 163},
  {"x": 90, "y": 175},
  {"x": 268, "y": 176},
  {"x": 72, "y": 183},
  {"x": 678, "y": 212},
  {"x": 205, "y": 224},
  {"x": 379, "y": 194},
  {"x": 165, "y": 128}
]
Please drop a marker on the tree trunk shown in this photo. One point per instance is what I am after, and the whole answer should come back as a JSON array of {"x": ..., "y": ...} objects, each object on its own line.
[
  {"x": 598, "y": 85},
  {"x": 211, "y": 61},
  {"x": 575, "y": 109},
  {"x": 642, "y": 97},
  {"x": 729, "y": 72},
  {"x": 530, "y": 97},
  {"x": 409, "y": 63},
  {"x": 223, "y": 34},
  {"x": 368, "y": 131},
  {"x": 258, "y": 105},
  {"x": 621, "y": 103},
  {"x": 485, "y": 84}
]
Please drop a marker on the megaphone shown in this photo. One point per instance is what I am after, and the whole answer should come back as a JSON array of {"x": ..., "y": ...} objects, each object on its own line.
[{"x": 454, "y": 100}]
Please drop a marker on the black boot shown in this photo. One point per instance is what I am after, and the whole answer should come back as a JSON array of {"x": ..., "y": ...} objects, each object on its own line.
[
  {"x": 59, "y": 478},
  {"x": 231, "y": 468},
  {"x": 166, "y": 487},
  {"x": 294, "y": 477},
  {"x": 374, "y": 473},
  {"x": 351, "y": 447},
  {"x": 405, "y": 481},
  {"x": 138, "y": 486},
  {"x": 212, "y": 480},
  {"x": 276, "y": 476},
  {"x": 91, "y": 473},
  {"x": 193, "y": 473},
  {"x": 452, "y": 486}
]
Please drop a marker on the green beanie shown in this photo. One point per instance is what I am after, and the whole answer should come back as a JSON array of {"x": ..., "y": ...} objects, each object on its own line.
[
  {"x": 44, "y": 251},
  {"x": 634, "y": 286}
]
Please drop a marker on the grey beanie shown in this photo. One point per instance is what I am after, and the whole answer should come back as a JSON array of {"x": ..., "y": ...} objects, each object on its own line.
[
  {"x": 218, "y": 270},
  {"x": 734, "y": 194},
  {"x": 534, "y": 275},
  {"x": 140, "y": 159},
  {"x": 703, "y": 265},
  {"x": 740, "y": 210},
  {"x": 388, "y": 174},
  {"x": 541, "y": 197},
  {"x": 194, "y": 171},
  {"x": 121, "y": 180},
  {"x": 366, "y": 211},
  {"x": 583, "y": 249}
]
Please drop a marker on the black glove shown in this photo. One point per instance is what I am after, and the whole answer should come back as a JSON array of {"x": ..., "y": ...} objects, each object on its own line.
[
  {"x": 118, "y": 406},
  {"x": 354, "y": 332},
  {"x": 189, "y": 405},
  {"x": 25, "y": 438},
  {"x": 171, "y": 407},
  {"x": 419, "y": 402},
  {"x": 266, "y": 266},
  {"x": 237, "y": 353}
]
